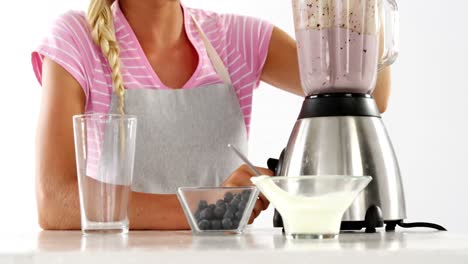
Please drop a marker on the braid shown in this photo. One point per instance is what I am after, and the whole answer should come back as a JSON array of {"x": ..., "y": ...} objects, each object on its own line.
[{"x": 103, "y": 33}]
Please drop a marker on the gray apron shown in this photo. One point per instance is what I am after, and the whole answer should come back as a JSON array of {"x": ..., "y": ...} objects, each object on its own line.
[{"x": 182, "y": 135}]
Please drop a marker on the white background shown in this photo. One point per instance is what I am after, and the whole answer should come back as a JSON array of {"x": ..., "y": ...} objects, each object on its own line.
[{"x": 426, "y": 117}]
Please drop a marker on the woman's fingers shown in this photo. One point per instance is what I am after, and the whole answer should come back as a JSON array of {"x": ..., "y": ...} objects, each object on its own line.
[
  {"x": 262, "y": 203},
  {"x": 252, "y": 217},
  {"x": 265, "y": 171},
  {"x": 241, "y": 177},
  {"x": 258, "y": 208},
  {"x": 255, "y": 214}
]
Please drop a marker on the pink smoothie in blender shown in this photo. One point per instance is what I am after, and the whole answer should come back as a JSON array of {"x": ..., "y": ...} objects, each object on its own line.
[{"x": 338, "y": 45}]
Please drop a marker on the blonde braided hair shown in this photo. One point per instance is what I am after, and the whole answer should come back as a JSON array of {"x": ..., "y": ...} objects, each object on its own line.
[{"x": 102, "y": 24}]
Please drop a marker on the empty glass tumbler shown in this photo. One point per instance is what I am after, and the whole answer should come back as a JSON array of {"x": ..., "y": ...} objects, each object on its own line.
[{"x": 105, "y": 151}]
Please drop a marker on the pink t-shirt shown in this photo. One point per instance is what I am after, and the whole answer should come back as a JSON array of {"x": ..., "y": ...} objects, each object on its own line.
[{"x": 242, "y": 43}]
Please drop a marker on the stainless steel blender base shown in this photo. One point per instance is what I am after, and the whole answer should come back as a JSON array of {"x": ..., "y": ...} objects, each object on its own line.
[
  {"x": 343, "y": 134},
  {"x": 349, "y": 145}
]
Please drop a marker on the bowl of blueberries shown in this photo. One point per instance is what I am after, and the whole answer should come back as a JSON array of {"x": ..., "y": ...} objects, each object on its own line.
[{"x": 217, "y": 210}]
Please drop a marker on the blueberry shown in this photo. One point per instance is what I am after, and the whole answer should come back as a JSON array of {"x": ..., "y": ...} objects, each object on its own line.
[
  {"x": 219, "y": 212},
  {"x": 246, "y": 192},
  {"x": 227, "y": 223},
  {"x": 202, "y": 205},
  {"x": 235, "y": 223},
  {"x": 238, "y": 215},
  {"x": 204, "y": 225},
  {"x": 220, "y": 203},
  {"x": 229, "y": 214},
  {"x": 235, "y": 203},
  {"x": 206, "y": 214},
  {"x": 216, "y": 225},
  {"x": 238, "y": 196},
  {"x": 197, "y": 215},
  {"x": 244, "y": 202},
  {"x": 228, "y": 197},
  {"x": 245, "y": 195},
  {"x": 242, "y": 206},
  {"x": 231, "y": 208}
]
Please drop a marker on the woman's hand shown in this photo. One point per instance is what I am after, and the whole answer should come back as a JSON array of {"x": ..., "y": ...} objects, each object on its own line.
[{"x": 240, "y": 178}]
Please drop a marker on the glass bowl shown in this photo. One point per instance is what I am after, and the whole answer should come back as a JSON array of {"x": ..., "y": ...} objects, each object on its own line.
[
  {"x": 311, "y": 206},
  {"x": 217, "y": 210}
]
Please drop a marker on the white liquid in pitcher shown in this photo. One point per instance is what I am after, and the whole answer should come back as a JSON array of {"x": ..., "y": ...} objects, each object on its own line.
[{"x": 319, "y": 215}]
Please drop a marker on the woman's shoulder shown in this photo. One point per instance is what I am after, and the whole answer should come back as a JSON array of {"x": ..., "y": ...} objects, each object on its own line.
[
  {"x": 202, "y": 16},
  {"x": 72, "y": 15},
  {"x": 207, "y": 16},
  {"x": 70, "y": 32},
  {"x": 69, "y": 44},
  {"x": 72, "y": 23},
  {"x": 228, "y": 21}
]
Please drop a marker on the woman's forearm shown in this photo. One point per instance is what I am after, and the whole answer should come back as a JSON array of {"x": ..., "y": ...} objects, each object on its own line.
[
  {"x": 60, "y": 209},
  {"x": 156, "y": 211},
  {"x": 145, "y": 211},
  {"x": 381, "y": 92},
  {"x": 281, "y": 67}
]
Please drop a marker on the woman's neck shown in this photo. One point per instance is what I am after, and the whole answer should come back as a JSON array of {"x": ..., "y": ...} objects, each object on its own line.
[{"x": 159, "y": 23}]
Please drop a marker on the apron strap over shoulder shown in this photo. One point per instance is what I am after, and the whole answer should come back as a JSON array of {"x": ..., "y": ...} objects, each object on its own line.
[{"x": 218, "y": 63}]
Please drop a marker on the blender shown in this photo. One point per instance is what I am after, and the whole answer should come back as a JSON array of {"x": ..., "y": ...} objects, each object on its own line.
[{"x": 342, "y": 45}]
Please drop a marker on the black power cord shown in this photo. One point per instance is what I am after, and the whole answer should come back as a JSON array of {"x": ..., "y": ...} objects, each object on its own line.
[{"x": 421, "y": 224}]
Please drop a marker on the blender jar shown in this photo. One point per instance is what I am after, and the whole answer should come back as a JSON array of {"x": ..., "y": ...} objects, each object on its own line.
[{"x": 343, "y": 43}]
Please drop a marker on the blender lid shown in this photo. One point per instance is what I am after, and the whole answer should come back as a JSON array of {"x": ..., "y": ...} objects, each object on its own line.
[{"x": 339, "y": 104}]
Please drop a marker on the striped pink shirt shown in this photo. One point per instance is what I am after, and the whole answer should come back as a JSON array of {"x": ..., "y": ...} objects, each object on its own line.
[{"x": 242, "y": 43}]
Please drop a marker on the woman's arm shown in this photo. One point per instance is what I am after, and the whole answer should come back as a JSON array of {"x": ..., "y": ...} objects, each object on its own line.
[
  {"x": 282, "y": 69},
  {"x": 56, "y": 179},
  {"x": 382, "y": 89}
]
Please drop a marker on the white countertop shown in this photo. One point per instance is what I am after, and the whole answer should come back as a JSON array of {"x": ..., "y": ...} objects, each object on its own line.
[{"x": 255, "y": 246}]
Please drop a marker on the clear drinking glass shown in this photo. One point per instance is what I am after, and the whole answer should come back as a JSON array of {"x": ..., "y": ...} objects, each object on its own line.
[
  {"x": 343, "y": 43},
  {"x": 105, "y": 151}
]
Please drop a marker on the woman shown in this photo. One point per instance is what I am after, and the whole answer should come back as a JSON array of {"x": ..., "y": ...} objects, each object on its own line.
[{"x": 188, "y": 74}]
